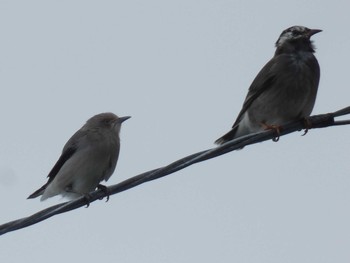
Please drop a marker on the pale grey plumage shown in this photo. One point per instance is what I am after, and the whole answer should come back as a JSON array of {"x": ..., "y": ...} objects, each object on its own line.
[
  {"x": 285, "y": 89},
  {"x": 89, "y": 157}
]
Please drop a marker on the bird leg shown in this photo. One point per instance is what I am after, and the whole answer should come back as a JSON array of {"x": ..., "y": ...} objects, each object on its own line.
[
  {"x": 105, "y": 190},
  {"x": 276, "y": 128},
  {"x": 307, "y": 124},
  {"x": 87, "y": 196}
]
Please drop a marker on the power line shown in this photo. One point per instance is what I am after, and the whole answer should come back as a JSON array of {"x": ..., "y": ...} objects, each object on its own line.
[{"x": 313, "y": 122}]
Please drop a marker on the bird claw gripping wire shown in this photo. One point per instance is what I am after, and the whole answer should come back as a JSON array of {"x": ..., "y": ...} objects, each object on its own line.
[
  {"x": 105, "y": 190},
  {"x": 276, "y": 128}
]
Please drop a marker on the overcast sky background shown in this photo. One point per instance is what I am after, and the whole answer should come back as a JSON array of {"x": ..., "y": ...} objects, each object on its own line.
[{"x": 181, "y": 69}]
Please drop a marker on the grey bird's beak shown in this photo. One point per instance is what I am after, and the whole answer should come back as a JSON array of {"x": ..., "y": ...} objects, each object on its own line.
[
  {"x": 313, "y": 32},
  {"x": 122, "y": 119}
]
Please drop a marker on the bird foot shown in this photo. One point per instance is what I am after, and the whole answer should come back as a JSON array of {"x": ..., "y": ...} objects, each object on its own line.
[
  {"x": 276, "y": 128},
  {"x": 307, "y": 124},
  {"x": 87, "y": 198},
  {"x": 105, "y": 190}
]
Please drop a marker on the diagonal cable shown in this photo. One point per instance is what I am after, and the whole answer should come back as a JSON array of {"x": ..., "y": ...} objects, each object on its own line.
[{"x": 316, "y": 121}]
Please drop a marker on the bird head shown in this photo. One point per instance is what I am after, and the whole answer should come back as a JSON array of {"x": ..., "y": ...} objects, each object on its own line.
[
  {"x": 106, "y": 120},
  {"x": 297, "y": 37}
]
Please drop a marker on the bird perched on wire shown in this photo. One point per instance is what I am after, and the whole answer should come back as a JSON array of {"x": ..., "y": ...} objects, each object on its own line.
[
  {"x": 284, "y": 90},
  {"x": 88, "y": 157}
]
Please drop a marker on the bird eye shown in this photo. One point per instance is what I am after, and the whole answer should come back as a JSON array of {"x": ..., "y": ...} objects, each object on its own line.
[{"x": 296, "y": 33}]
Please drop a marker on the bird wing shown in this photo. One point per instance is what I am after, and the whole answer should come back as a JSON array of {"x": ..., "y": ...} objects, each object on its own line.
[
  {"x": 262, "y": 82},
  {"x": 60, "y": 162},
  {"x": 69, "y": 149}
]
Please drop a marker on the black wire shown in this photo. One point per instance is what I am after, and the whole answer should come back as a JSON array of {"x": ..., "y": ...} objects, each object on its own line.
[{"x": 316, "y": 121}]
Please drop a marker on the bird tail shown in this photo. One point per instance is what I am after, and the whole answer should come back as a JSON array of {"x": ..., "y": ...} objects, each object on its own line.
[
  {"x": 228, "y": 136},
  {"x": 38, "y": 192}
]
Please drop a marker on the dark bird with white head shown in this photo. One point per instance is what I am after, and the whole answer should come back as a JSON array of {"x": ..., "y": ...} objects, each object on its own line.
[{"x": 284, "y": 90}]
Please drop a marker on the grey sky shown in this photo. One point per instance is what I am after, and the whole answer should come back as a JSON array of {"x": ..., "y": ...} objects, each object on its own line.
[{"x": 181, "y": 69}]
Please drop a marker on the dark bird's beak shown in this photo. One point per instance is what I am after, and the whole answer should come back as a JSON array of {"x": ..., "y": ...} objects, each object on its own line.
[
  {"x": 122, "y": 119},
  {"x": 313, "y": 32}
]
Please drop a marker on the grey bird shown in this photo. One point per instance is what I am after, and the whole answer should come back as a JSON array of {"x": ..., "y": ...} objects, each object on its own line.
[
  {"x": 88, "y": 157},
  {"x": 284, "y": 90}
]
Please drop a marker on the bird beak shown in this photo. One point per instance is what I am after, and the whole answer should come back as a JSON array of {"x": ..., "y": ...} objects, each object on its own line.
[
  {"x": 122, "y": 119},
  {"x": 313, "y": 32}
]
